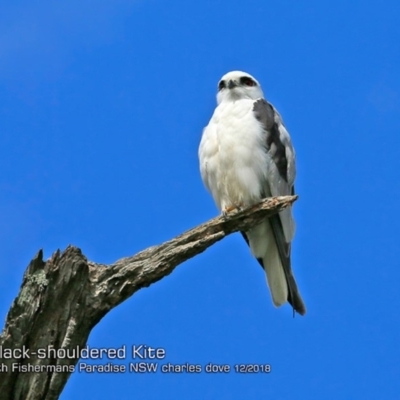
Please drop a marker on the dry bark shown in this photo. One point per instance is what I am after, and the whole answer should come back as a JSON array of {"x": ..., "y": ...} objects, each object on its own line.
[{"x": 63, "y": 298}]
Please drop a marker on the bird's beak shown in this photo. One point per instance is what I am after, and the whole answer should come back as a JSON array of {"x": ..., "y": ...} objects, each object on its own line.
[{"x": 231, "y": 84}]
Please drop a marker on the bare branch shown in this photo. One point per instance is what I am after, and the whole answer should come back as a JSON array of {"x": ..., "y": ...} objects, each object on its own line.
[{"x": 62, "y": 299}]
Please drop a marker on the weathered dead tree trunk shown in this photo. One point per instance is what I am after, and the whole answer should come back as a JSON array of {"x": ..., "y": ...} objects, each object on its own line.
[{"x": 63, "y": 298}]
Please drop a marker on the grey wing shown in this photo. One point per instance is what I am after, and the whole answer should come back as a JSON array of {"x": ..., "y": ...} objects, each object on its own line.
[
  {"x": 280, "y": 182},
  {"x": 281, "y": 167}
]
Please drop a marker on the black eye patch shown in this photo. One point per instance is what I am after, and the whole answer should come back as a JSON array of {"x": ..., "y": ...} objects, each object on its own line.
[
  {"x": 245, "y": 80},
  {"x": 221, "y": 85}
]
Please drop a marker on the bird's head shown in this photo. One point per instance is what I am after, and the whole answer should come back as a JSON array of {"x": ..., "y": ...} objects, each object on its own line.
[{"x": 236, "y": 85}]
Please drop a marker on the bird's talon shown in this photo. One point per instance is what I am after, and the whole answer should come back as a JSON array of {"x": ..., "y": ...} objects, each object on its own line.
[{"x": 229, "y": 209}]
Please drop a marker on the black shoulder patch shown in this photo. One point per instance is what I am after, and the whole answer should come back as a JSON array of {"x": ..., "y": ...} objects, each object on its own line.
[{"x": 265, "y": 113}]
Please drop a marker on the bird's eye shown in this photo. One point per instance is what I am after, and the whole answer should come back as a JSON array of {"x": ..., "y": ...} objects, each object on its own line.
[
  {"x": 221, "y": 85},
  {"x": 245, "y": 80}
]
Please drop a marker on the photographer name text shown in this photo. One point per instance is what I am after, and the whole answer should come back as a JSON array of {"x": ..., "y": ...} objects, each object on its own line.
[{"x": 145, "y": 359}]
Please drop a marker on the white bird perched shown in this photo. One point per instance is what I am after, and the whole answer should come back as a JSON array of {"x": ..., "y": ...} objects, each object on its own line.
[{"x": 246, "y": 155}]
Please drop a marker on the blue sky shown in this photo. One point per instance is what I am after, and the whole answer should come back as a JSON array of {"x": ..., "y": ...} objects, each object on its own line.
[{"x": 102, "y": 105}]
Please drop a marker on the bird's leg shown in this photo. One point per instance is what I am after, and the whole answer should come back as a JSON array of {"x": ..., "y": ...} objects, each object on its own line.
[{"x": 231, "y": 208}]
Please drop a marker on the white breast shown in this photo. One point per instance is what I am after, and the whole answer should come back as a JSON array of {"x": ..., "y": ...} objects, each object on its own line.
[{"x": 233, "y": 160}]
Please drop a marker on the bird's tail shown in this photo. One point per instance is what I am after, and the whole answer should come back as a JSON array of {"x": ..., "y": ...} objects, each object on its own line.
[
  {"x": 273, "y": 253},
  {"x": 283, "y": 249},
  {"x": 282, "y": 285},
  {"x": 276, "y": 278}
]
